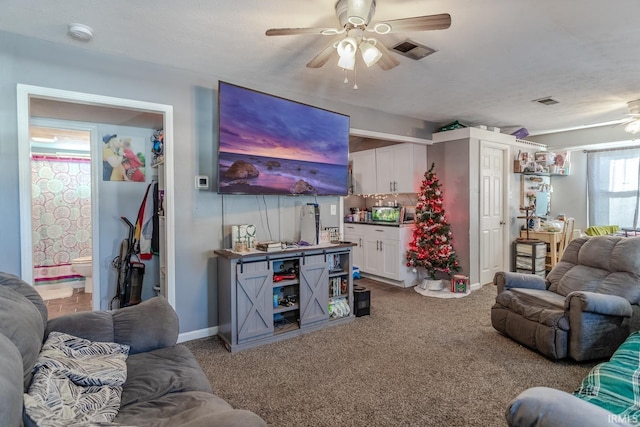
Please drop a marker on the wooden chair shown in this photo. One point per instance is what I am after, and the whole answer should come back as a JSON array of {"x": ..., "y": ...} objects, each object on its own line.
[{"x": 567, "y": 236}]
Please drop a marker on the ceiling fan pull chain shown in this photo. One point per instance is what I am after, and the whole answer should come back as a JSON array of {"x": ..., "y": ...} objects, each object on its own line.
[
  {"x": 346, "y": 80},
  {"x": 355, "y": 78}
]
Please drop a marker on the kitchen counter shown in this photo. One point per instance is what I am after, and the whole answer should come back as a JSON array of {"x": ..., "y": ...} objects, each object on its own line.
[{"x": 386, "y": 224}]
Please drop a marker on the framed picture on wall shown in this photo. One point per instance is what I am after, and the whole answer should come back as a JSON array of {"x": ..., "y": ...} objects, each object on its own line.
[{"x": 123, "y": 158}]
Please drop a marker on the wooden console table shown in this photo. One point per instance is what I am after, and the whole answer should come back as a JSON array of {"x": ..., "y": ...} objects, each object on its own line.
[{"x": 552, "y": 239}]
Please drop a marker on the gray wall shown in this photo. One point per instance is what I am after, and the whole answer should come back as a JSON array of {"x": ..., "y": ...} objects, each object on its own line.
[{"x": 200, "y": 216}]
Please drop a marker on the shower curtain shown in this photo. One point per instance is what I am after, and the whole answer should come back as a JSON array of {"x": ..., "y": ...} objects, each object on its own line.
[{"x": 61, "y": 216}]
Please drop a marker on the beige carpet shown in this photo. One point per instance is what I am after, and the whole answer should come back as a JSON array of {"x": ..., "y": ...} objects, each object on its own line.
[{"x": 414, "y": 361}]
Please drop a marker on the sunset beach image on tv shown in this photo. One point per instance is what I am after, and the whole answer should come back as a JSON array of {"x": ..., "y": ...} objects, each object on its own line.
[{"x": 271, "y": 145}]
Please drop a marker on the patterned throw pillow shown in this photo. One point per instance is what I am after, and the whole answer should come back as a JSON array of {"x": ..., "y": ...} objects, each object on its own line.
[
  {"x": 615, "y": 385},
  {"x": 76, "y": 381}
]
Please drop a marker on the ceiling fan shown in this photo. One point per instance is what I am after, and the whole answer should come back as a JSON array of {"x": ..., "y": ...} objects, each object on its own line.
[
  {"x": 632, "y": 124},
  {"x": 355, "y": 22}
]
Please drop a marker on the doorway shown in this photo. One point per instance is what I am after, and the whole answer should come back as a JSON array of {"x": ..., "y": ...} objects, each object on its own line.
[
  {"x": 46, "y": 103},
  {"x": 61, "y": 214}
]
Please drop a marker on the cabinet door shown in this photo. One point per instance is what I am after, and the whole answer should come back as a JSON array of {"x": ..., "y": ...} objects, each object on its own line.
[
  {"x": 314, "y": 295},
  {"x": 363, "y": 171},
  {"x": 358, "y": 250},
  {"x": 409, "y": 166},
  {"x": 254, "y": 312},
  {"x": 384, "y": 170},
  {"x": 390, "y": 259},
  {"x": 351, "y": 234},
  {"x": 372, "y": 255}
]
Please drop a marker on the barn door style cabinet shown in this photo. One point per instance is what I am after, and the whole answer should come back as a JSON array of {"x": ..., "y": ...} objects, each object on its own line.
[{"x": 264, "y": 297}]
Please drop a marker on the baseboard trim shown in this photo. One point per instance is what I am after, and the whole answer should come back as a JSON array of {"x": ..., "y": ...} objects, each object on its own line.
[{"x": 200, "y": 333}]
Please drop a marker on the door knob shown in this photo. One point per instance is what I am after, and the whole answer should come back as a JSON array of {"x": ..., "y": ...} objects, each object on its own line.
[{"x": 503, "y": 222}]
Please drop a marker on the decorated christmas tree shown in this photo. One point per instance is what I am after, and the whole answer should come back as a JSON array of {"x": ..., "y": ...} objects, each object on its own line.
[{"x": 430, "y": 245}]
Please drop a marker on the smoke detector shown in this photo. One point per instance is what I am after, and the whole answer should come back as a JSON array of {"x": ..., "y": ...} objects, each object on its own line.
[
  {"x": 80, "y": 32},
  {"x": 413, "y": 50}
]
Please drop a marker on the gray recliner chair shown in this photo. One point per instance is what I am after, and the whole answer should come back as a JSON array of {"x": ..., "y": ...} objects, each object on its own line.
[{"x": 584, "y": 309}]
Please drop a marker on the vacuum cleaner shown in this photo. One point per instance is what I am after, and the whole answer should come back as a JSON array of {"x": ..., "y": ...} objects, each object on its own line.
[{"x": 130, "y": 273}]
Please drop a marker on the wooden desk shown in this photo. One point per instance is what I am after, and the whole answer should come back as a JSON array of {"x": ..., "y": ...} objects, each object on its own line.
[{"x": 552, "y": 239}]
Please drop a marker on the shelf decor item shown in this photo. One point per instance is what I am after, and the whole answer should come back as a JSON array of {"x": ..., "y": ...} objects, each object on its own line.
[{"x": 430, "y": 246}]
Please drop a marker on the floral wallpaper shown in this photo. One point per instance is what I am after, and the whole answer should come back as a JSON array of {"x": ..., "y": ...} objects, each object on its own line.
[{"x": 61, "y": 209}]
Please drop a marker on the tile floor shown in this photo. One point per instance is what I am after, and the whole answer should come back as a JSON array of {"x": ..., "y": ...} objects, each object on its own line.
[{"x": 79, "y": 301}]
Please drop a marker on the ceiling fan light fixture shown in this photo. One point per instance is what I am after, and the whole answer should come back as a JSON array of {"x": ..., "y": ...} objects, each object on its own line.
[
  {"x": 632, "y": 127},
  {"x": 347, "y": 62},
  {"x": 370, "y": 53},
  {"x": 347, "y": 47}
]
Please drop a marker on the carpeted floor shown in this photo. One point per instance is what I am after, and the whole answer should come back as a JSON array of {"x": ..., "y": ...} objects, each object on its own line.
[{"x": 415, "y": 361}]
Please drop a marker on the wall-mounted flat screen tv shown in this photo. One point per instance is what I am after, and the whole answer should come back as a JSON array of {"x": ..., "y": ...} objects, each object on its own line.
[{"x": 275, "y": 146}]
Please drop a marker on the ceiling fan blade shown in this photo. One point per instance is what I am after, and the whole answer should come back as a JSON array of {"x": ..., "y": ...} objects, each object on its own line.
[
  {"x": 295, "y": 31},
  {"x": 320, "y": 59},
  {"x": 418, "y": 23},
  {"x": 387, "y": 61}
]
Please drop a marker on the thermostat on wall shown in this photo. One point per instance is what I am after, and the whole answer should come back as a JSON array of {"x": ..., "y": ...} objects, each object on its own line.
[{"x": 202, "y": 182}]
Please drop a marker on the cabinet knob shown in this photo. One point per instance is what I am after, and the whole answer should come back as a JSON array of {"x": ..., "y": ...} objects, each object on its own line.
[{"x": 503, "y": 222}]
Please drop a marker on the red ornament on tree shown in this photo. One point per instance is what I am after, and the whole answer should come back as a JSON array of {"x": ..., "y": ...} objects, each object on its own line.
[{"x": 430, "y": 246}]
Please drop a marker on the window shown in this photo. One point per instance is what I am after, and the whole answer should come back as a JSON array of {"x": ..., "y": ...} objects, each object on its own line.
[{"x": 614, "y": 188}]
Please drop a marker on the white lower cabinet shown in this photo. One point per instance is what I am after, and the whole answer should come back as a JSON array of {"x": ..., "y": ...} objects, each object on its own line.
[
  {"x": 355, "y": 234},
  {"x": 383, "y": 251}
]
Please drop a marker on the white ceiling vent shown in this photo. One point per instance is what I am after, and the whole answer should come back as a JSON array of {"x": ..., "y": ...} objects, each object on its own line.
[{"x": 413, "y": 50}]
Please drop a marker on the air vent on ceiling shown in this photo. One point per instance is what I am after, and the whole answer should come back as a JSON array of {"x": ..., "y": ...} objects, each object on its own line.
[
  {"x": 413, "y": 50},
  {"x": 546, "y": 101}
]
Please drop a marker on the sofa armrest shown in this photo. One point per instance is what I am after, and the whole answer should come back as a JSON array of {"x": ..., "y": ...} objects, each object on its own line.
[
  {"x": 506, "y": 280},
  {"x": 548, "y": 407},
  {"x": 11, "y": 383},
  {"x": 591, "y": 302},
  {"x": 150, "y": 325}
]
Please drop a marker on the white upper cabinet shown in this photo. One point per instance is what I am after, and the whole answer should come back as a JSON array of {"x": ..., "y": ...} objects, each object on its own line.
[
  {"x": 363, "y": 170},
  {"x": 396, "y": 169}
]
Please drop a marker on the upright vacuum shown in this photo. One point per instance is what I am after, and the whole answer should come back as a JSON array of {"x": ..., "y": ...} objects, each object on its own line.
[{"x": 130, "y": 273}]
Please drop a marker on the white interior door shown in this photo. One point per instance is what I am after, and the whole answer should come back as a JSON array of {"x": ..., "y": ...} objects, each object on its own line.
[{"x": 493, "y": 214}]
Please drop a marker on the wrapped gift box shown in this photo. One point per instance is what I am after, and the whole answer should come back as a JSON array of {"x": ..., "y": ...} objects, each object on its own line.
[{"x": 459, "y": 283}]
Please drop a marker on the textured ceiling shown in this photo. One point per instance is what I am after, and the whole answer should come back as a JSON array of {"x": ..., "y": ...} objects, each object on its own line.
[{"x": 497, "y": 56}]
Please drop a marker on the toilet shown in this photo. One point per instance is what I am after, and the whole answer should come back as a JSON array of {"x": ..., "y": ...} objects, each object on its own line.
[{"x": 84, "y": 267}]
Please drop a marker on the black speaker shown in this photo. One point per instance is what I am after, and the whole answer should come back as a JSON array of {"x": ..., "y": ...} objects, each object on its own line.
[{"x": 361, "y": 301}]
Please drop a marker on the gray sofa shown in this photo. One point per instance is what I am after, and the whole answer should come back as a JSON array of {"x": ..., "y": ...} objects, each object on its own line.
[
  {"x": 585, "y": 307},
  {"x": 164, "y": 385}
]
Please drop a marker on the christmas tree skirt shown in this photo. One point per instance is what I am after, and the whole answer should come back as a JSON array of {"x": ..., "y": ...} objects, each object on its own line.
[{"x": 444, "y": 293}]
